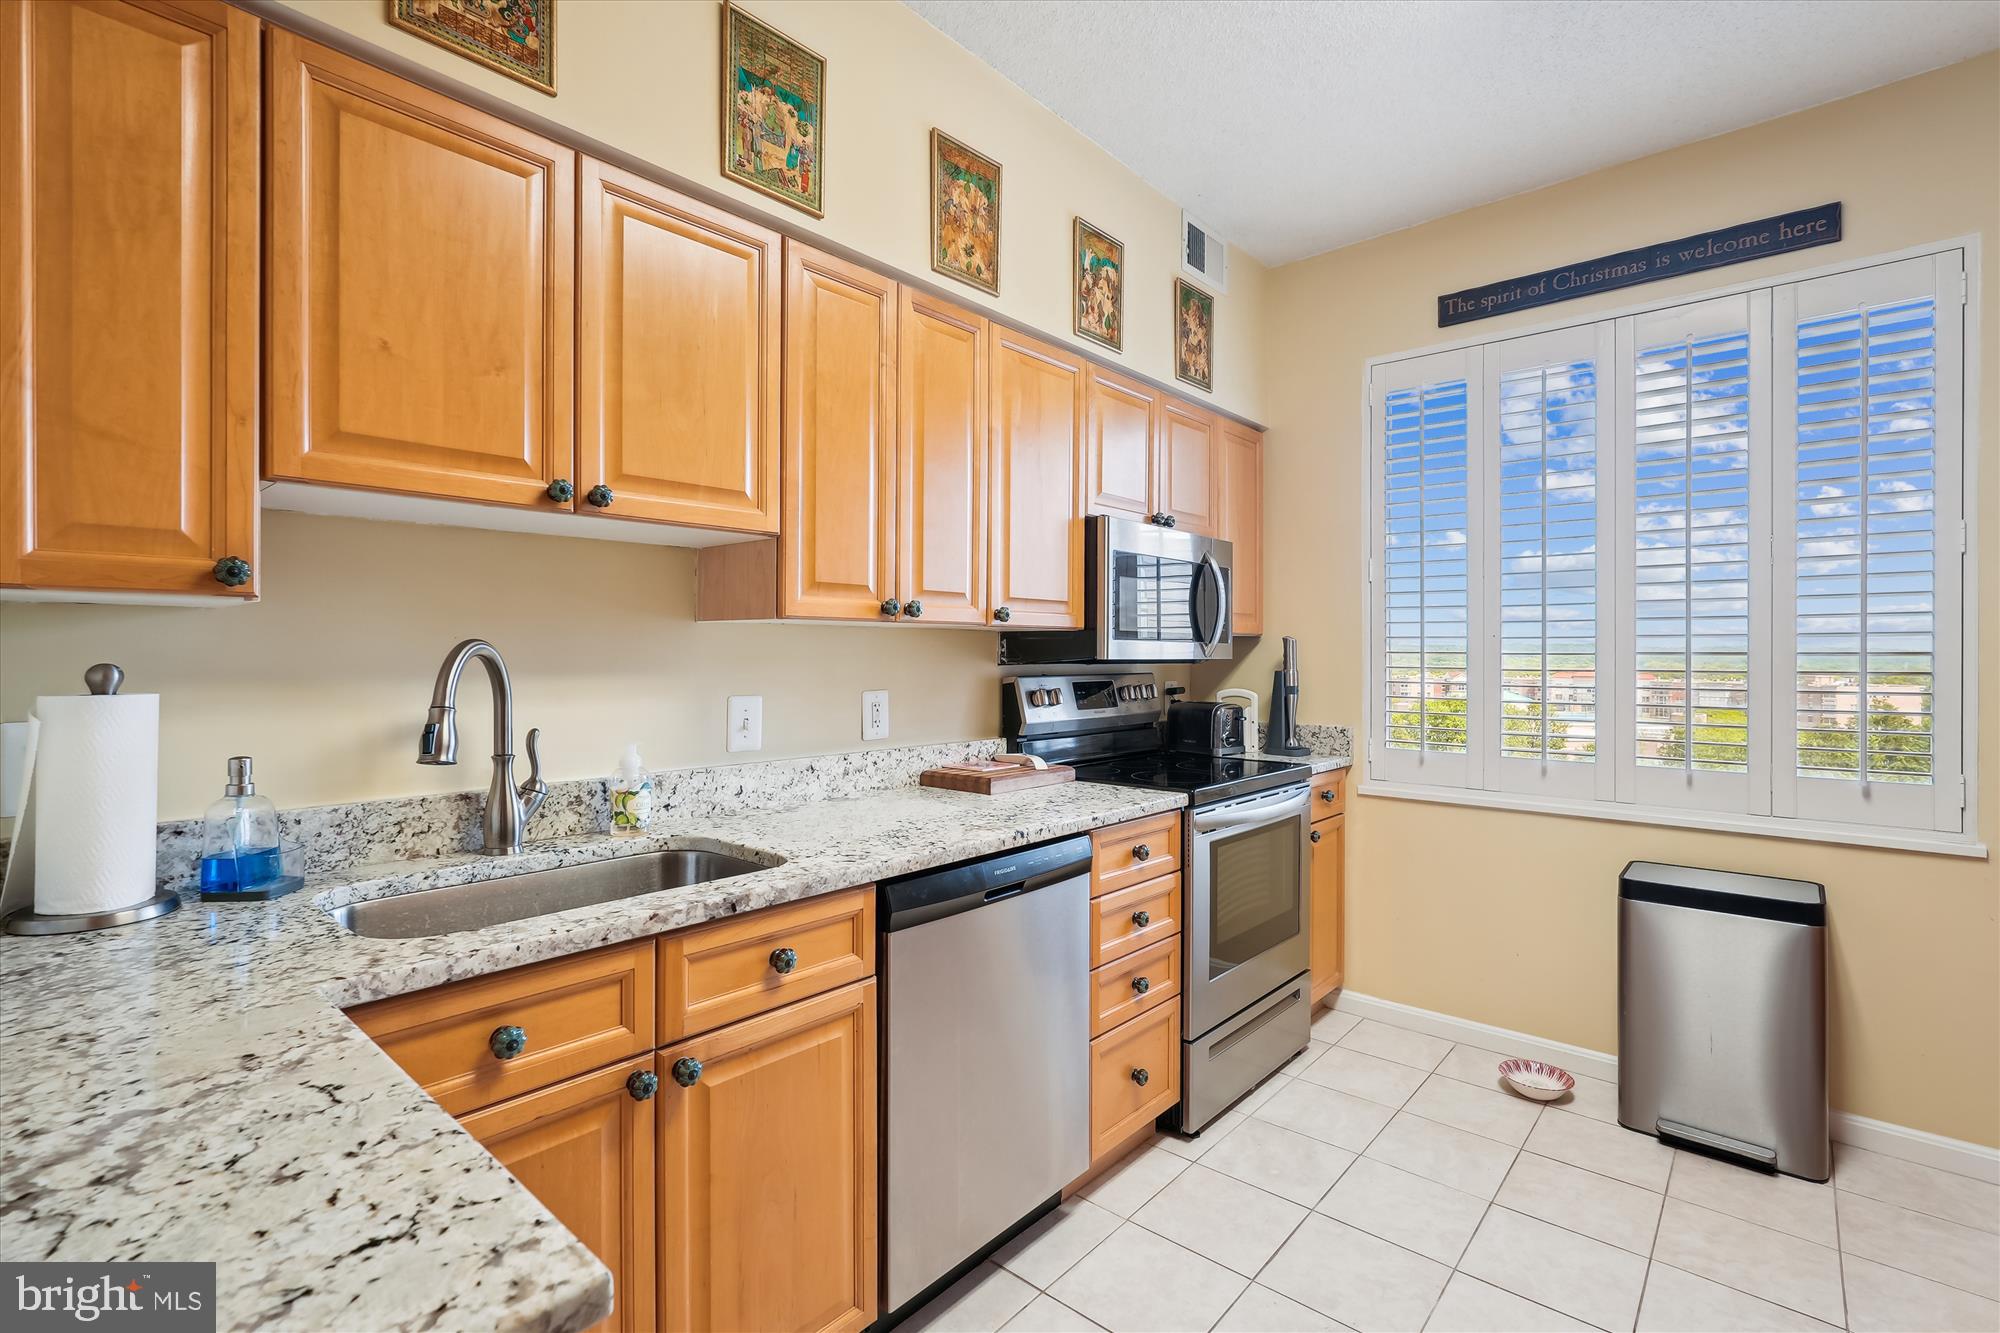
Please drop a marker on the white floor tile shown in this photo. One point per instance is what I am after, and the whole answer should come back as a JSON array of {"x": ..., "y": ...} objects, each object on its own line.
[
  {"x": 1587, "y": 1279},
  {"x": 1046, "y": 1314},
  {"x": 1196, "y": 1148},
  {"x": 1261, "y": 1310},
  {"x": 1331, "y": 1025},
  {"x": 1358, "y": 1279},
  {"x": 1955, "y": 1198},
  {"x": 979, "y": 1302},
  {"x": 1283, "y": 1161},
  {"x": 1881, "y": 1299},
  {"x": 1677, "y": 1302},
  {"x": 1454, "y": 1157},
  {"x": 1495, "y": 1115},
  {"x": 1583, "y": 1201},
  {"x": 1434, "y": 1220},
  {"x": 1125, "y": 1188},
  {"x": 1329, "y": 1116},
  {"x": 1471, "y": 1306},
  {"x": 1609, "y": 1150},
  {"x": 1593, "y": 1097},
  {"x": 1962, "y": 1257},
  {"x": 1416, "y": 1049},
  {"x": 1778, "y": 1267},
  {"x": 1221, "y": 1218},
  {"x": 1137, "y": 1282},
  {"x": 1473, "y": 1064},
  {"x": 1368, "y": 1076},
  {"x": 1295, "y": 1066},
  {"x": 1784, "y": 1203},
  {"x": 1049, "y": 1248},
  {"x": 1262, "y": 1093}
]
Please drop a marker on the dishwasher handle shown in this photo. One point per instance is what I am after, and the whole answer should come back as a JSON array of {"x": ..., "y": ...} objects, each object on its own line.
[{"x": 915, "y": 899}]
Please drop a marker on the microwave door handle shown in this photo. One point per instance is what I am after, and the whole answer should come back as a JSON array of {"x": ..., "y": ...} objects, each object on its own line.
[{"x": 1210, "y": 641}]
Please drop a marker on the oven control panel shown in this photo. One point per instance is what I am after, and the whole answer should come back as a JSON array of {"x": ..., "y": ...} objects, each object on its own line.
[{"x": 1033, "y": 706}]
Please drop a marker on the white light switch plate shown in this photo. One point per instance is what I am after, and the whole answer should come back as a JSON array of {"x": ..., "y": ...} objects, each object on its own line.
[
  {"x": 746, "y": 722},
  {"x": 874, "y": 715}
]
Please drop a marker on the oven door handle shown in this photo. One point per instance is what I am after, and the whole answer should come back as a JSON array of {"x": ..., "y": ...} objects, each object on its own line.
[{"x": 1265, "y": 812}]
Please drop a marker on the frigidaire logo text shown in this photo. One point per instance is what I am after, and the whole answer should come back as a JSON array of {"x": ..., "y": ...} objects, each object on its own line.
[{"x": 86, "y": 1301}]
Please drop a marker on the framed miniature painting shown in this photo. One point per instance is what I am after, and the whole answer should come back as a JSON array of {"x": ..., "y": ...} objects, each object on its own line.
[
  {"x": 1194, "y": 336},
  {"x": 515, "y": 37},
  {"x": 1099, "y": 279},
  {"x": 965, "y": 213},
  {"x": 773, "y": 112}
]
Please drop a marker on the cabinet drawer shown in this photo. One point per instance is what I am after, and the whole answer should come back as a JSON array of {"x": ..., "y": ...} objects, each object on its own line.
[
  {"x": 730, "y": 969},
  {"x": 574, "y": 1014},
  {"x": 1133, "y": 918},
  {"x": 1148, "y": 1048},
  {"x": 1135, "y": 984},
  {"x": 1329, "y": 794},
  {"x": 1128, "y": 853}
]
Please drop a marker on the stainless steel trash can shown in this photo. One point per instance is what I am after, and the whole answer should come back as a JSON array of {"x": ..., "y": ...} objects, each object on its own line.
[{"x": 1722, "y": 1014}]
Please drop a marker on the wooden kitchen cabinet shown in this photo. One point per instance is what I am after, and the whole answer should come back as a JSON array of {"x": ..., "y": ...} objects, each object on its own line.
[
  {"x": 837, "y": 541},
  {"x": 767, "y": 1171},
  {"x": 1328, "y": 884},
  {"x": 420, "y": 287},
  {"x": 129, "y": 313},
  {"x": 1120, "y": 472},
  {"x": 741, "y": 966},
  {"x": 1037, "y": 449},
  {"x": 1243, "y": 524},
  {"x": 942, "y": 459},
  {"x": 678, "y": 350},
  {"x": 1135, "y": 1076},
  {"x": 585, "y": 1149},
  {"x": 1190, "y": 467}
]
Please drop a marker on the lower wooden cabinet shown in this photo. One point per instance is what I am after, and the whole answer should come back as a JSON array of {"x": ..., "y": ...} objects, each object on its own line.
[
  {"x": 1328, "y": 883},
  {"x": 585, "y": 1149},
  {"x": 1135, "y": 1075},
  {"x": 767, "y": 1176}
]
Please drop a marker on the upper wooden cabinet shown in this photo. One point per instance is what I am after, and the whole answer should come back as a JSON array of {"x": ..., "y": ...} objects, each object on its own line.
[
  {"x": 1037, "y": 432},
  {"x": 129, "y": 309},
  {"x": 942, "y": 476},
  {"x": 678, "y": 358},
  {"x": 1190, "y": 467},
  {"x": 1243, "y": 524},
  {"x": 420, "y": 287},
  {"x": 1120, "y": 475}
]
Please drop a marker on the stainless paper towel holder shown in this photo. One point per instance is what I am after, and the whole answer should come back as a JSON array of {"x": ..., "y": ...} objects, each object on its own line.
[{"x": 19, "y": 885}]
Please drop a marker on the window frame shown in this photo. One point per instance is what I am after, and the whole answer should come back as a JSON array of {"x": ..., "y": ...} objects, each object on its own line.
[{"x": 1771, "y": 806}]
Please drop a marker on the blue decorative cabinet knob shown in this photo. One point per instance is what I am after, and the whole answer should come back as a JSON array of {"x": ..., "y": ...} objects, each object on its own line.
[
  {"x": 600, "y": 496},
  {"x": 232, "y": 571},
  {"x": 642, "y": 1085},
  {"x": 687, "y": 1071},
  {"x": 508, "y": 1042},
  {"x": 784, "y": 960},
  {"x": 562, "y": 490}
]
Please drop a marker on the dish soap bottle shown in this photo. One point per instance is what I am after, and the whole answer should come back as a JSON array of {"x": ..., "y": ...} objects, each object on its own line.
[
  {"x": 242, "y": 853},
  {"x": 631, "y": 795}
]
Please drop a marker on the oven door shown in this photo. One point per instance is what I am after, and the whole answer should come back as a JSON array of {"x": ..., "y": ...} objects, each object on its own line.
[
  {"x": 1246, "y": 911},
  {"x": 1160, "y": 595}
]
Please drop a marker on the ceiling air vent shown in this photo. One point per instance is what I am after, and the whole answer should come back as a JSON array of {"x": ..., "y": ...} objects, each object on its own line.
[{"x": 1204, "y": 255}]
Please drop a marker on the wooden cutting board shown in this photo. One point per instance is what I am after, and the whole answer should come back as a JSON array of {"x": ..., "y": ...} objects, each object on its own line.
[{"x": 995, "y": 780}]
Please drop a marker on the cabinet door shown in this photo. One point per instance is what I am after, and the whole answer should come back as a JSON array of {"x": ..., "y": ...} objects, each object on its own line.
[
  {"x": 677, "y": 412},
  {"x": 420, "y": 287},
  {"x": 128, "y": 316},
  {"x": 1329, "y": 904},
  {"x": 585, "y": 1149},
  {"x": 838, "y": 540},
  {"x": 941, "y": 461},
  {"x": 1119, "y": 476},
  {"x": 767, "y": 1171},
  {"x": 1243, "y": 525},
  {"x": 1037, "y": 430},
  {"x": 1190, "y": 468}
]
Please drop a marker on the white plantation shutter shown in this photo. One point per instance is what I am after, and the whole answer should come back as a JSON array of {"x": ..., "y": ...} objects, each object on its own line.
[{"x": 1869, "y": 442}]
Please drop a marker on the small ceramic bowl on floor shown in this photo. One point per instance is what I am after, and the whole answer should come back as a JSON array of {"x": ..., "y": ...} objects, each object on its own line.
[{"x": 1536, "y": 1081}]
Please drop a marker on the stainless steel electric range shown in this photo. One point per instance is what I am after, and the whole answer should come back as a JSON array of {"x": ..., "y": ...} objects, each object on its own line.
[{"x": 1246, "y": 1001}]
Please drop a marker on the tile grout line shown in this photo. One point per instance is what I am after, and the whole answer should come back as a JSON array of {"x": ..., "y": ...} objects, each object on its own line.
[{"x": 1840, "y": 1261}]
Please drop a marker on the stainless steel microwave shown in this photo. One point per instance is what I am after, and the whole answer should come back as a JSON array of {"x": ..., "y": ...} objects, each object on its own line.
[{"x": 1151, "y": 594}]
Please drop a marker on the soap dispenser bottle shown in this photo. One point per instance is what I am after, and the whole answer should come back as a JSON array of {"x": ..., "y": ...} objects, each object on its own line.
[
  {"x": 243, "y": 855},
  {"x": 631, "y": 795}
]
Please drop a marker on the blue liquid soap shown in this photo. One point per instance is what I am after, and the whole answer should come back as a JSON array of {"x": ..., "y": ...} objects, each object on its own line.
[{"x": 239, "y": 872}]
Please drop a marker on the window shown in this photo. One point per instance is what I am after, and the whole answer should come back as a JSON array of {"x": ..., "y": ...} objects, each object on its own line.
[{"x": 1702, "y": 557}]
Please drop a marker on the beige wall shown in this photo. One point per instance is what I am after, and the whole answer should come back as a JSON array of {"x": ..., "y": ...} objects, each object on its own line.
[{"x": 1509, "y": 918}]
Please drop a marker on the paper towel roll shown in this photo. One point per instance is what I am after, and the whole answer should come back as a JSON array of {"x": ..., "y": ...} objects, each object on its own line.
[{"x": 97, "y": 801}]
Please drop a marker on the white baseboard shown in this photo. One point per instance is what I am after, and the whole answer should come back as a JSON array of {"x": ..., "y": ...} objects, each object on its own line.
[{"x": 1913, "y": 1145}]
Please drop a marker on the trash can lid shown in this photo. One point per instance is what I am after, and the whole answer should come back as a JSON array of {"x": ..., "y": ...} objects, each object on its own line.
[{"x": 1796, "y": 900}]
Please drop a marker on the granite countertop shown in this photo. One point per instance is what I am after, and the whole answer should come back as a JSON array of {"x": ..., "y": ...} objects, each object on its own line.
[{"x": 188, "y": 1088}]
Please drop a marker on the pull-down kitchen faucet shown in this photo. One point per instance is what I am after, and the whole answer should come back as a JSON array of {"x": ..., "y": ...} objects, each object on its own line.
[{"x": 508, "y": 809}]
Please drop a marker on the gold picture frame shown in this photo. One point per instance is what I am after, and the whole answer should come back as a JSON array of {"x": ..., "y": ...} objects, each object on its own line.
[
  {"x": 773, "y": 112},
  {"x": 1097, "y": 285},
  {"x": 965, "y": 213},
  {"x": 487, "y": 32},
  {"x": 1194, "y": 336}
]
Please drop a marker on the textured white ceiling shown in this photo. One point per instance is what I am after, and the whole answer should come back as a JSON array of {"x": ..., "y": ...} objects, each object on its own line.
[{"x": 1295, "y": 126}]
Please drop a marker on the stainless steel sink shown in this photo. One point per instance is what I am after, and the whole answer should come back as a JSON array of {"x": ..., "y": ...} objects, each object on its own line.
[{"x": 490, "y": 902}]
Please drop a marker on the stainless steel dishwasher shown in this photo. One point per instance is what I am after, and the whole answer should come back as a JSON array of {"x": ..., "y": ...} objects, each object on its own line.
[{"x": 986, "y": 1048}]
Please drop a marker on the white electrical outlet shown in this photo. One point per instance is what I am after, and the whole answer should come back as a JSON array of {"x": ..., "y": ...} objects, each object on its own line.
[
  {"x": 746, "y": 722},
  {"x": 874, "y": 715}
]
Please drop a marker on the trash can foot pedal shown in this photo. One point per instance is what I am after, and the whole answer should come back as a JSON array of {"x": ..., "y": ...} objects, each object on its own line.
[{"x": 1722, "y": 1143}]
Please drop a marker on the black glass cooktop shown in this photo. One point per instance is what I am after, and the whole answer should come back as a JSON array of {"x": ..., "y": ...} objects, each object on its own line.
[{"x": 1205, "y": 778}]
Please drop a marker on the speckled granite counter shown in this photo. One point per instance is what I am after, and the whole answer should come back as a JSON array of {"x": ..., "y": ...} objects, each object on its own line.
[{"x": 188, "y": 1089}]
